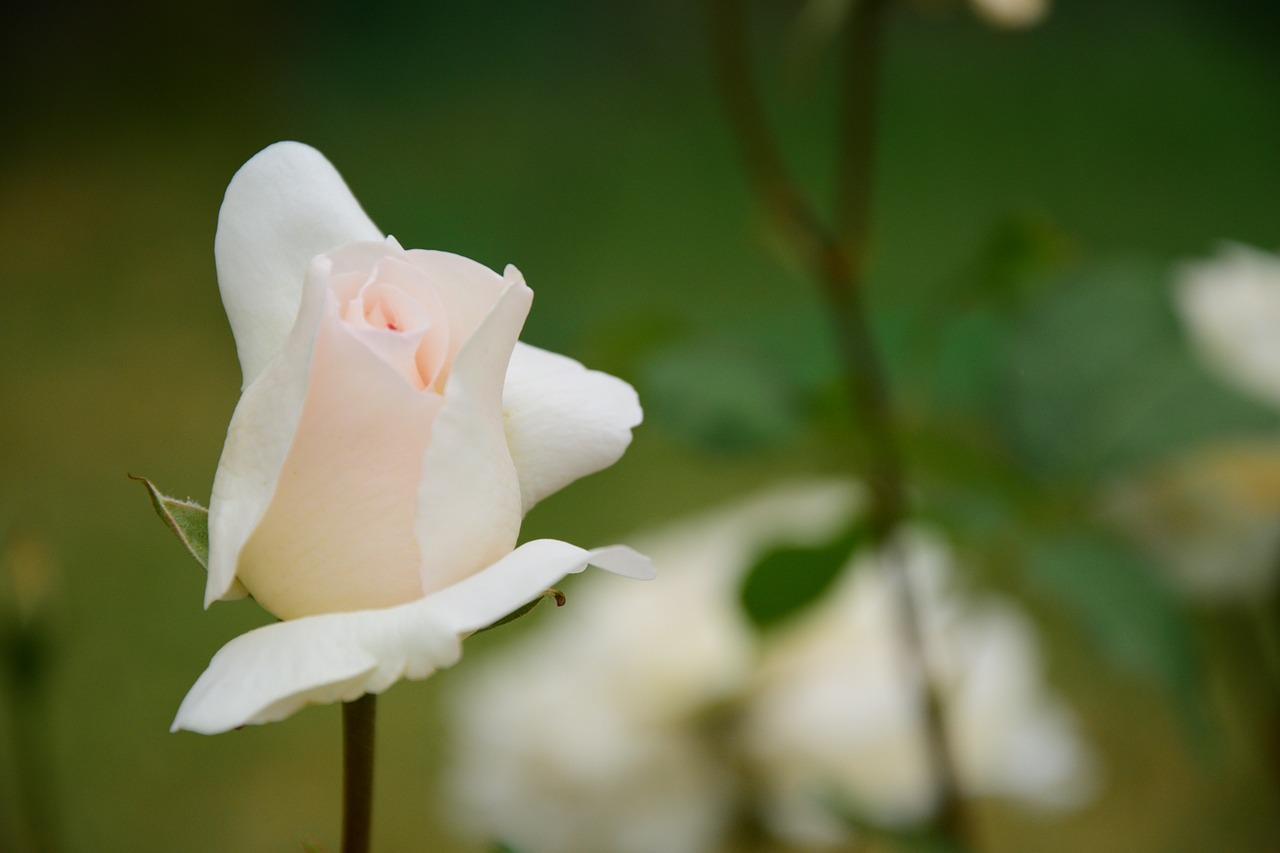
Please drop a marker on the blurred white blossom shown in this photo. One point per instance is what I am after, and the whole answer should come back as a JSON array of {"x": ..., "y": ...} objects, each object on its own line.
[
  {"x": 838, "y": 716},
  {"x": 1231, "y": 305},
  {"x": 650, "y": 720},
  {"x": 1013, "y": 14},
  {"x": 1211, "y": 517}
]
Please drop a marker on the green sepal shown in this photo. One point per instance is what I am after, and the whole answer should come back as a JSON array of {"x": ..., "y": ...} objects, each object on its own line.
[
  {"x": 786, "y": 580},
  {"x": 187, "y": 519},
  {"x": 516, "y": 614}
]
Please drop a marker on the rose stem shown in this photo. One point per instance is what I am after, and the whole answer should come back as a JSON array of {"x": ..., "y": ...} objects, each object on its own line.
[
  {"x": 837, "y": 258},
  {"x": 357, "y": 772}
]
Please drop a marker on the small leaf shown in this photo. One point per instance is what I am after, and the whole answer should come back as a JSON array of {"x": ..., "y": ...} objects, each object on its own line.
[
  {"x": 788, "y": 579},
  {"x": 503, "y": 847},
  {"x": 187, "y": 519},
  {"x": 559, "y": 597}
]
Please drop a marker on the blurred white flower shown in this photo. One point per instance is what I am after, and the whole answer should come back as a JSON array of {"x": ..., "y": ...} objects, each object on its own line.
[
  {"x": 650, "y": 720},
  {"x": 1211, "y": 517},
  {"x": 1013, "y": 14},
  {"x": 593, "y": 734},
  {"x": 838, "y": 719},
  {"x": 1231, "y": 305}
]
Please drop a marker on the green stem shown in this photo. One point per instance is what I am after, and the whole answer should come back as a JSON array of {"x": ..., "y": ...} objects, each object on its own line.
[
  {"x": 27, "y": 662},
  {"x": 837, "y": 258},
  {"x": 357, "y": 772}
]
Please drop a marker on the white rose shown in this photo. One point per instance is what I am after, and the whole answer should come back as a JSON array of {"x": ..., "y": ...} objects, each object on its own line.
[
  {"x": 391, "y": 435},
  {"x": 837, "y": 713}
]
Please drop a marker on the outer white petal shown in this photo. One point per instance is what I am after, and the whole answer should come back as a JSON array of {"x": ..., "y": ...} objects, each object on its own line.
[
  {"x": 286, "y": 205},
  {"x": 469, "y": 496},
  {"x": 563, "y": 421},
  {"x": 273, "y": 671},
  {"x": 258, "y": 441}
]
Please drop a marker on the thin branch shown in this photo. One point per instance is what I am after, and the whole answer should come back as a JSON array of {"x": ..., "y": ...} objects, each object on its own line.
[{"x": 837, "y": 258}]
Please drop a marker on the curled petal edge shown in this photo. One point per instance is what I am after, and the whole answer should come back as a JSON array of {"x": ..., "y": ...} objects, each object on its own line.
[
  {"x": 271, "y": 672},
  {"x": 563, "y": 421}
]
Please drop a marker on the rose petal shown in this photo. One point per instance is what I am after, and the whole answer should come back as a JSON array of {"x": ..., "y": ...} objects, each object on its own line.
[
  {"x": 523, "y": 575},
  {"x": 467, "y": 289},
  {"x": 286, "y": 205},
  {"x": 273, "y": 671},
  {"x": 563, "y": 421},
  {"x": 258, "y": 441},
  {"x": 338, "y": 533},
  {"x": 469, "y": 497}
]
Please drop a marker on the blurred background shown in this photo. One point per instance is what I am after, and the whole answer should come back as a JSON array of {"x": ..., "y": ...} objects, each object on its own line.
[{"x": 1038, "y": 194}]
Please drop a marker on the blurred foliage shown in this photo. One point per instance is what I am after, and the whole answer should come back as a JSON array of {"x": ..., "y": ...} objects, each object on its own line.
[
  {"x": 784, "y": 581},
  {"x": 1033, "y": 190},
  {"x": 1127, "y": 613}
]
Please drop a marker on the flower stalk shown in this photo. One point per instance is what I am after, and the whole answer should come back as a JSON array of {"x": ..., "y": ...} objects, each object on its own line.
[
  {"x": 836, "y": 257},
  {"x": 358, "y": 718}
]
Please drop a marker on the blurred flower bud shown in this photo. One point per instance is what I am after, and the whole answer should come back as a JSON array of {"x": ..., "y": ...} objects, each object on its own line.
[
  {"x": 30, "y": 576},
  {"x": 1012, "y": 14},
  {"x": 1231, "y": 306},
  {"x": 1211, "y": 517}
]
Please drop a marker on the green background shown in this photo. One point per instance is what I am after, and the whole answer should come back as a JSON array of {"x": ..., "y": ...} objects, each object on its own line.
[{"x": 1029, "y": 185}]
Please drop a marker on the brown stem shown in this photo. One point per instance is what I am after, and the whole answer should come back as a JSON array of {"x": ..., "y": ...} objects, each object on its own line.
[
  {"x": 837, "y": 258},
  {"x": 357, "y": 772}
]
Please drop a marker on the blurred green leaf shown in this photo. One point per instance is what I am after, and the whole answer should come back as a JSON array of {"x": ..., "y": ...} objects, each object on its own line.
[
  {"x": 187, "y": 519},
  {"x": 516, "y": 614},
  {"x": 1020, "y": 256},
  {"x": 720, "y": 398},
  {"x": 788, "y": 579},
  {"x": 1132, "y": 617},
  {"x": 503, "y": 847},
  {"x": 1100, "y": 376}
]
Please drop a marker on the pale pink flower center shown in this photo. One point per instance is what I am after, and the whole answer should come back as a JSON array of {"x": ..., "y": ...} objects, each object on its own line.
[{"x": 395, "y": 311}]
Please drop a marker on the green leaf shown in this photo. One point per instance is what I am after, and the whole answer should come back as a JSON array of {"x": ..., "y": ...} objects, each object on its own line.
[
  {"x": 1100, "y": 376},
  {"x": 187, "y": 519},
  {"x": 503, "y": 847},
  {"x": 1132, "y": 617},
  {"x": 516, "y": 614},
  {"x": 1020, "y": 255},
  {"x": 786, "y": 580},
  {"x": 720, "y": 397}
]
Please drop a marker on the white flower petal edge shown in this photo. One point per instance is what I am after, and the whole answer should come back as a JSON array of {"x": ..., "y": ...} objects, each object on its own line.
[
  {"x": 286, "y": 205},
  {"x": 273, "y": 671},
  {"x": 258, "y": 441},
  {"x": 563, "y": 421}
]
